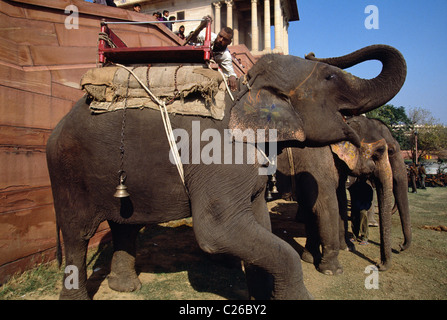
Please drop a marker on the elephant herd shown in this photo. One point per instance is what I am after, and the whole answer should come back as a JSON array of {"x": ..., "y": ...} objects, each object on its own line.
[
  {"x": 312, "y": 104},
  {"x": 317, "y": 178}
]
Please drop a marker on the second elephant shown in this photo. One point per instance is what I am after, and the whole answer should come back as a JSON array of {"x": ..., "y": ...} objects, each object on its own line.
[{"x": 317, "y": 178}]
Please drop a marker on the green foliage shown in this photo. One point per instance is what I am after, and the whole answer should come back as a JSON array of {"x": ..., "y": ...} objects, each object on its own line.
[
  {"x": 431, "y": 136},
  {"x": 397, "y": 121},
  {"x": 390, "y": 115}
]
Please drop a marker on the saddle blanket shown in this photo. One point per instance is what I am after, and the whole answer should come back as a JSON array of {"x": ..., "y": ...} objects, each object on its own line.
[{"x": 189, "y": 89}]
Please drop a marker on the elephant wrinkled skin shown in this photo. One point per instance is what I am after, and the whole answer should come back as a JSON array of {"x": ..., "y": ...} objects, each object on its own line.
[{"x": 230, "y": 216}]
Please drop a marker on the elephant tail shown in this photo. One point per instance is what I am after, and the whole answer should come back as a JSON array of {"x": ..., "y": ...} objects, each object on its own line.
[
  {"x": 393, "y": 211},
  {"x": 58, "y": 246}
]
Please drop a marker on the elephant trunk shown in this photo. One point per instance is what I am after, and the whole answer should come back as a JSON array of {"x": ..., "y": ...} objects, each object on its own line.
[
  {"x": 400, "y": 190},
  {"x": 384, "y": 187},
  {"x": 372, "y": 93}
]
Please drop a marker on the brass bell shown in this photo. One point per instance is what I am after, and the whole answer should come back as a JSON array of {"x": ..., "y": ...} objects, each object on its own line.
[
  {"x": 121, "y": 189},
  {"x": 269, "y": 195},
  {"x": 273, "y": 180}
]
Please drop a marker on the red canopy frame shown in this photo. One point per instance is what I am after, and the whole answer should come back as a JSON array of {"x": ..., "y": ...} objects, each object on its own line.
[{"x": 139, "y": 55}]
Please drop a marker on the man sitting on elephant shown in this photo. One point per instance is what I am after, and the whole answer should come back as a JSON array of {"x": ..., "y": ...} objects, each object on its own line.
[{"x": 221, "y": 54}]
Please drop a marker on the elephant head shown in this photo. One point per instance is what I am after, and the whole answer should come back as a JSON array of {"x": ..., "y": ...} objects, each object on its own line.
[
  {"x": 379, "y": 157},
  {"x": 307, "y": 100}
]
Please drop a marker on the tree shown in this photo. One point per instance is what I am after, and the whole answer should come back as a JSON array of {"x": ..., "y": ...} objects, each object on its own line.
[
  {"x": 417, "y": 130},
  {"x": 427, "y": 135},
  {"x": 397, "y": 121}
]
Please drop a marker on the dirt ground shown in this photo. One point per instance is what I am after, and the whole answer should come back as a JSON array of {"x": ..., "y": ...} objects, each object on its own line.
[{"x": 171, "y": 266}]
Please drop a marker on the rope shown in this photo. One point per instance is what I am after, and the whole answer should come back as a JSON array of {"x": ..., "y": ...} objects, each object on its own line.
[
  {"x": 167, "y": 126},
  {"x": 167, "y": 122},
  {"x": 223, "y": 77},
  {"x": 106, "y": 38},
  {"x": 292, "y": 170}
]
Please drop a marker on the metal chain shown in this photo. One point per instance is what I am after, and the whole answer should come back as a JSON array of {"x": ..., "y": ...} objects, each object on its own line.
[
  {"x": 121, "y": 172},
  {"x": 176, "y": 92}
]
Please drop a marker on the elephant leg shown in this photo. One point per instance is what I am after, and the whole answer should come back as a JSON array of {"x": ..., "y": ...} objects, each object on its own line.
[
  {"x": 123, "y": 277},
  {"x": 311, "y": 252},
  {"x": 74, "y": 286},
  {"x": 225, "y": 223},
  {"x": 329, "y": 263},
  {"x": 344, "y": 238},
  {"x": 328, "y": 218},
  {"x": 259, "y": 281}
]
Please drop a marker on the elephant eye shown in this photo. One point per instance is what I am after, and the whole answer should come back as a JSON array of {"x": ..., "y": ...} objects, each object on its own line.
[
  {"x": 330, "y": 77},
  {"x": 378, "y": 154}
]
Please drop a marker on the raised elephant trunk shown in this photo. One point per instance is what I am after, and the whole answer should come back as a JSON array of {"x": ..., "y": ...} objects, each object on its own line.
[
  {"x": 372, "y": 93},
  {"x": 384, "y": 187}
]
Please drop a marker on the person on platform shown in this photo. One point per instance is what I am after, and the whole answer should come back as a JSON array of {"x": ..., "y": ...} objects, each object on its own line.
[{"x": 222, "y": 56}]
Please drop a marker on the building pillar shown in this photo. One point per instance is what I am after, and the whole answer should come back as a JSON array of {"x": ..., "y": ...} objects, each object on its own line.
[
  {"x": 229, "y": 13},
  {"x": 286, "y": 36},
  {"x": 278, "y": 25},
  {"x": 235, "y": 28},
  {"x": 217, "y": 6},
  {"x": 267, "y": 35},
  {"x": 254, "y": 26}
]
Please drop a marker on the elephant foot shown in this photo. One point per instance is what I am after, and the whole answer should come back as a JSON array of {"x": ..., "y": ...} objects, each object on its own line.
[
  {"x": 312, "y": 256},
  {"x": 74, "y": 294},
  {"x": 307, "y": 257},
  {"x": 330, "y": 268},
  {"x": 121, "y": 283},
  {"x": 123, "y": 277},
  {"x": 404, "y": 246},
  {"x": 330, "y": 272},
  {"x": 384, "y": 266}
]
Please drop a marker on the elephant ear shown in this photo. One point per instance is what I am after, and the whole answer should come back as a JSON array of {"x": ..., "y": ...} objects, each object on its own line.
[
  {"x": 347, "y": 152},
  {"x": 263, "y": 109}
]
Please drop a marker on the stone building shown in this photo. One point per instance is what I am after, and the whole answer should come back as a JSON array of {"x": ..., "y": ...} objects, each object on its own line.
[{"x": 261, "y": 25}]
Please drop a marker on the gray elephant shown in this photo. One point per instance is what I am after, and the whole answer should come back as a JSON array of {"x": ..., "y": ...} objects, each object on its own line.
[
  {"x": 319, "y": 185},
  {"x": 291, "y": 95}
]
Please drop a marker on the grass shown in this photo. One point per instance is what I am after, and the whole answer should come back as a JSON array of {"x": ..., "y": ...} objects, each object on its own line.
[
  {"x": 33, "y": 283},
  {"x": 171, "y": 266}
]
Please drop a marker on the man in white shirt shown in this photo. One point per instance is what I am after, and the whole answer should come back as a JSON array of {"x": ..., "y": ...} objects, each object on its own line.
[{"x": 222, "y": 56}]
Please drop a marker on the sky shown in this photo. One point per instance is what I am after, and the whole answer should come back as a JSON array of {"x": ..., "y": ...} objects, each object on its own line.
[{"x": 418, "y": 29}]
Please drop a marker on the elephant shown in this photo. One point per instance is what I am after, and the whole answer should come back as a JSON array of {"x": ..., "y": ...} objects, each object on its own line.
[
  {"x": 318, "y": 181},
  {"x": 290, "y": 95}
]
